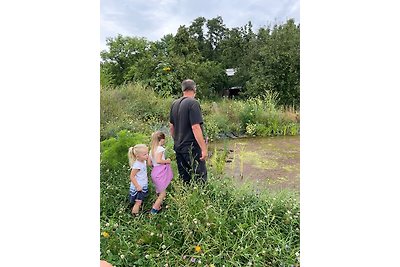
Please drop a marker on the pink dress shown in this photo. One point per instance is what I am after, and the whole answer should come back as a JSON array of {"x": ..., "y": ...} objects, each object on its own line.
[{"x": 161, "y": 175}]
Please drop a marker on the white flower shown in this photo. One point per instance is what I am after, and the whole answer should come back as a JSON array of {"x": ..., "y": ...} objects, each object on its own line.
[
  {"x": 195, "y": 221},
  {"x": 208, "y": 224},
  {"x": 151, "y": 234},
  {"x": 122, "y": 256},
  {"x": 163, "y": 246},
  {"x": 199, "y": 262},
  {"x": 170, "y": 223},
  {"x": 116, "y": 225},
  {"x": 166, "y": 265},
  {"x": 108, "y": 251},
  {"x": 167, "y": 252},
  {"x": 107, "y": 224},
  {"x": 147, "y": 256}
]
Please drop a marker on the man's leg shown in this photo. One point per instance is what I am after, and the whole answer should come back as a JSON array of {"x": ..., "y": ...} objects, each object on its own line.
[
  {"x": 183, "y": 166},
  {"x": 199, "y": 166}
]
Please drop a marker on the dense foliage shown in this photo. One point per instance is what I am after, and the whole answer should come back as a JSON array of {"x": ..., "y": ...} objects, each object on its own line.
[
  {"x": 139, "y": 109},
  {"x": 268, "y": 60}
]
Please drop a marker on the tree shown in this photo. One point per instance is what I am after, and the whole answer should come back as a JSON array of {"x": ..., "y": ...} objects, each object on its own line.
[{"x": 120, "y": 62}]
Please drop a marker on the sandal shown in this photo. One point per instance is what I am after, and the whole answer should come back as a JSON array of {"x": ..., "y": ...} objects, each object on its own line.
[{"x": 154, "y": 211}]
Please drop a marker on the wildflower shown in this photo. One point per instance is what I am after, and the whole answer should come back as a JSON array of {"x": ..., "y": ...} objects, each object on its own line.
[
  {"x": 212, "y": 265},
  {"x": 151, "y": 234},
  {"x": 167, "y": 252},
  {"x": 199, "y": 262},
  {"x": 208, "y": 224},
  {"x": 160, "y": 235},
  {"x": 108, "y": 251},
  {"x": 193, "y": 260},
  {"x": 116, "y": 225},
  {"x": 107, "y": 224},
  {"x": 197, "y": 248},
  {"x": 170, "y": 223},
  {"x": 163, "y": 246},
  {"x": 167, "y": 207},
  {"x": 147, "y": 256},
  {"x": 122, "y": 256},
  {"x": 166, "y": 265},
  {"x": 195, "y": 221},
  {"x": 105, "y": 234},
  {"x": 184, "y": 257}
]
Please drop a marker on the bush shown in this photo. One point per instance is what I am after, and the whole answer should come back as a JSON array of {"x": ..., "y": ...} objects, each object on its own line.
[{"x": 114, "y": 151}]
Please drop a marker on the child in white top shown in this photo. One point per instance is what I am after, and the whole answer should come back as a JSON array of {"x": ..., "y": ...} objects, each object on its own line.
[{"x": 138, "y": 190}]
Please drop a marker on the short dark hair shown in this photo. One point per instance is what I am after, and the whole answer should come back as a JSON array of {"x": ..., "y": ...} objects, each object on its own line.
[{"x": 188, "y": 85}]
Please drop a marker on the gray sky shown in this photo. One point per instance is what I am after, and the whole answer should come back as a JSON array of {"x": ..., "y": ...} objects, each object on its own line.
[{"x": 153, "y": 19}]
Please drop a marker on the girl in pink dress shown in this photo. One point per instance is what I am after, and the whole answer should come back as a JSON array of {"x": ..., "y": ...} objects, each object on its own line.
[{"x": 161, "y": 174}]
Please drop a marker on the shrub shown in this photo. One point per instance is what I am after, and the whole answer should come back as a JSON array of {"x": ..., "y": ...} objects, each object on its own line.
[{"x": 114, "y": 151}]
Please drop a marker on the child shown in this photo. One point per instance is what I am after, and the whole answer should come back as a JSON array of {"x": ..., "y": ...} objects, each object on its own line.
[
  {"x": 162, "y": 172},
  {"x": 138, "y": 156}
]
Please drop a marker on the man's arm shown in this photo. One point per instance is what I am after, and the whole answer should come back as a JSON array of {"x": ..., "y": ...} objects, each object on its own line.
[{"x": 198, "y": 134}]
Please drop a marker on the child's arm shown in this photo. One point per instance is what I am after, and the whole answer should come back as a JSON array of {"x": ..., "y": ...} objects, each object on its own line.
[
  {"x": 134, "y": 181},
  {"x": 161, "y": 161},
  {"x": 149, "y": 163}
]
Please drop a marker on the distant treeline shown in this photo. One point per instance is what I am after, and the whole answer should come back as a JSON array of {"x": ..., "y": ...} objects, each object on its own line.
[{"x": 268, "y": 60}]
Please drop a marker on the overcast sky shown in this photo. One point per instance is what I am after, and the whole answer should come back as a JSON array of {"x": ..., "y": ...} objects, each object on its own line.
[{"x": 153, "y": 19}]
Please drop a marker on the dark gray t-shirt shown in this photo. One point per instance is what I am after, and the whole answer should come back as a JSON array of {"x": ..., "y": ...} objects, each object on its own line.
[{"x": 189, "y": 114}]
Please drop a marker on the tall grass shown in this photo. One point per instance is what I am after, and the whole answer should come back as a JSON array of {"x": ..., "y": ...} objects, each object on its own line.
[
  {"x": 132, "y": 107},
  {"x": 217, "y": 223},
  {"x": 137, "y": 108}
]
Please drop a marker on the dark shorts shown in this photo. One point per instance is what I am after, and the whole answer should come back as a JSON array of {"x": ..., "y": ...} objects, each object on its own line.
[
  {"x": 137, "y": 195},
  {"x": 191, "y": 167}
]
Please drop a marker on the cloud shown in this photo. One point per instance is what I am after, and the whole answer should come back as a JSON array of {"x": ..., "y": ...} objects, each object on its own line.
[{"x": 153, "y": 19}]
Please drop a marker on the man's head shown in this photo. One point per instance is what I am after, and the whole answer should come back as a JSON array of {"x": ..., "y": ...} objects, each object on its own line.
[{"x": 188, "y": 85}]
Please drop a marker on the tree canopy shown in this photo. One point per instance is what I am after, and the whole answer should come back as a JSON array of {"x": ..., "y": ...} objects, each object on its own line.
[{"x": 266, "y": 60}]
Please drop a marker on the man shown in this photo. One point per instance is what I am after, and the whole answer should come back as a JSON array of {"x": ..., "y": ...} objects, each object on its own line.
[{"x": 186, "y": 129}]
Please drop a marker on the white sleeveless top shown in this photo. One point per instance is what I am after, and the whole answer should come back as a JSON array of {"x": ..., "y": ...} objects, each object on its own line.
[{"x": 159, "y": 149}]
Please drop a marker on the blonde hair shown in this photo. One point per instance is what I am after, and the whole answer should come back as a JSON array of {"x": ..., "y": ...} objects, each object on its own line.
[
  {"x": 155, "y": 139},
  {"x": 133, "y": 151}
]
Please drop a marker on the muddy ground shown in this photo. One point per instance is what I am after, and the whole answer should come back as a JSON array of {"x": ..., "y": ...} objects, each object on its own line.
[{"x": 270, "y": 162}]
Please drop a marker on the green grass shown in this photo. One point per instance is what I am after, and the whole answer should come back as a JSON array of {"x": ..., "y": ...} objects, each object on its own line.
[{"x": 233, "y": 226}]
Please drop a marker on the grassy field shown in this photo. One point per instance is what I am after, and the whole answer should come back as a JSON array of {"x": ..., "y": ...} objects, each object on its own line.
[{"x": 217, "y": 224}]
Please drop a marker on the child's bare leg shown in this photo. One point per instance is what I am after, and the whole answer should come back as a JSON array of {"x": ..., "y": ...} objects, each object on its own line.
[
  {"x": 159, "y": 200},
  {"x": 136, "y": 207}
]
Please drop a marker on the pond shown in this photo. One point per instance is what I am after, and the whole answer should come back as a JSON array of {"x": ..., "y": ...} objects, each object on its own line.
[{"x": 271, "y": 162}]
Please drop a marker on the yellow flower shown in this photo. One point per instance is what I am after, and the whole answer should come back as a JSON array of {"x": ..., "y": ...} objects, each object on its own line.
[
  {"x": 197, "y": 248},
  {"x": 105, "y": 234},
  {"x": 166, "y": 69}
]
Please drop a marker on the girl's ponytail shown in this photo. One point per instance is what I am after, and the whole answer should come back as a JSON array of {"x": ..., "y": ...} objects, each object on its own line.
[{"x": 131, "y": 156}]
